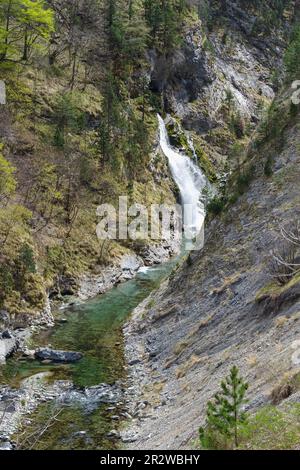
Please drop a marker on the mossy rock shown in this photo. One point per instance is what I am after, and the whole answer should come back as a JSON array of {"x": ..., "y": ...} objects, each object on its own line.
[
  {"x": 273, "y": 289},
  {"x": 178, "y": 138},
  {"x": 205, "y": 164},
  {"x": 35, "y": 292}
]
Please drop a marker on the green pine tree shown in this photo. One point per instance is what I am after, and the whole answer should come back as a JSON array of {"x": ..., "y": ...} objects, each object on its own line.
[
  {"x": 66, "y": 117},
  {"x": 292, "y": 55},
  {"x": 164, "y": 18},
  {"x": 224, "y": 412}
]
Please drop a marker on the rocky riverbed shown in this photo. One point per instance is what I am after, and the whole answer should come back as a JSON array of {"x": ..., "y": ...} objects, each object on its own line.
[
  {"x": 17, "y": 405},
  {"x": 16, "y": 331},
  {"x": 39, "y": 389},
  {"x": 92, "y": 285}
]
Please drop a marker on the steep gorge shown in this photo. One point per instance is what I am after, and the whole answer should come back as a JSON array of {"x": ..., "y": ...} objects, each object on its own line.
[
  {"x": 80, "y": 129},
  {"x": 224, "y": 307},
  {"x": 214, "y": 78}
]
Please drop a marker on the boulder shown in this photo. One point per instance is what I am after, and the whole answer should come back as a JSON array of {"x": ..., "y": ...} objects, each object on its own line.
[
  {"x": 92, "y": 397},
  {"x": 134, "y": 362},
  {"x": 113, "y": 434},
  {"x": 7, "y": 334},
  {"x": 47, "y": 354},
  {"x": 130, "y": 263},
  {"x": 68, "y": 286},
  {"x": 8, "y": 346},
  {"x": 6, "y": 446}
]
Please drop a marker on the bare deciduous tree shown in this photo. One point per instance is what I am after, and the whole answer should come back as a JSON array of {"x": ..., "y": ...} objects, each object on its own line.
[
  {"x": 285, "y": 261},
  {"x": 292, "y": 234}
]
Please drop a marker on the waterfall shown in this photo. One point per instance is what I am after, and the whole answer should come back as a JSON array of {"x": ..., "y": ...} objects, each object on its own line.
[{"x": 190, "y": 181}]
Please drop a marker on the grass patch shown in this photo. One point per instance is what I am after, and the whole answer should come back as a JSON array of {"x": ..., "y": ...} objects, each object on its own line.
[
  {"x": 273, "y": 290},
  {"x": 272, "y": 429}
]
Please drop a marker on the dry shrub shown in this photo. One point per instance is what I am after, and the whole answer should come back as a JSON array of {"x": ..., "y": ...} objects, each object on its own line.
[
  {"x": 285, "y": 261},
  {"x": 280, "y": 393},
  {"x": 280, "y": 322}
]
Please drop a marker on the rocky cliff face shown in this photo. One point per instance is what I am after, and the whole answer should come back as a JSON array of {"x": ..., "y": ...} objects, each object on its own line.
[
  {"x": 215, "y": 80},
  {"x": 227, "y": 68},
  {"x": 223, "y": 307}
]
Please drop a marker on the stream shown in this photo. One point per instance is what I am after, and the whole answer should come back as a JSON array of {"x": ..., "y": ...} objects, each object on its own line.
[{"x": 94, "y": 328}]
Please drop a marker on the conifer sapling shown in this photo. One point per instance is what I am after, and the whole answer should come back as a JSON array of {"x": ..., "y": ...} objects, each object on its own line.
[{"x": 224, "y": 412}]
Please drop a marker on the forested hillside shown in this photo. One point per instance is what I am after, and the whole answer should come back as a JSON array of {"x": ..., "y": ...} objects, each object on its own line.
[
  {"x": 84, "y": 82},
  {"x": 78, "y": 130}
]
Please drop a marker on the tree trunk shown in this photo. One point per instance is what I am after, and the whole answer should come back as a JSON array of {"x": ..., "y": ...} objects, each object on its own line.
[
  {"x": 4, "y": 53},
  {"x": 235, "y": 418},
  {"x": 25, "y": 50},
  {"x": 72, "y": 83},
  {"x": 236, "y": 432}
]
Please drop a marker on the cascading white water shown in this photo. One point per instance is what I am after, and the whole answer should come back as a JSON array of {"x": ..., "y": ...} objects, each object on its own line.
[{"x": 189, "y": 179}]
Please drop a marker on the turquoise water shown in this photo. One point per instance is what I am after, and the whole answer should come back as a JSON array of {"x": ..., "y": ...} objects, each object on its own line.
[{"x": 95, "y": 329}]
